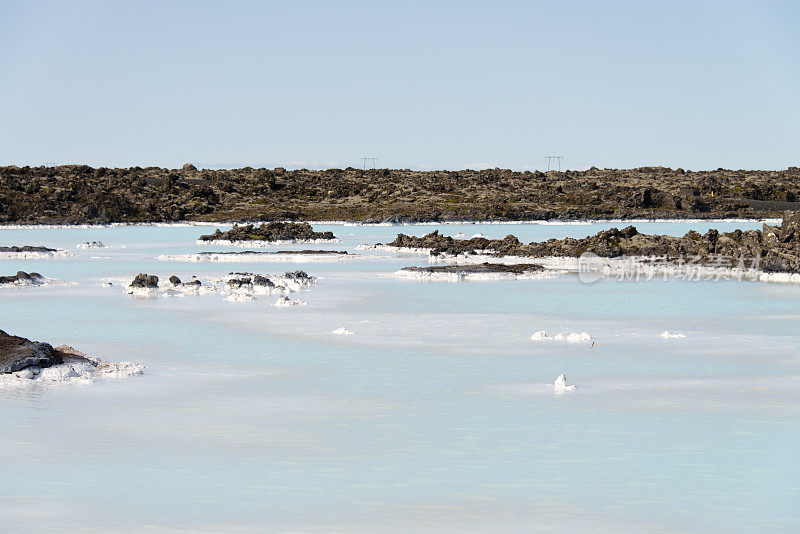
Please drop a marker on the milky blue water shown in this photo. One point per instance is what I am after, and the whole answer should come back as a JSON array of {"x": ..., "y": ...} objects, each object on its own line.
[{"x": 437, "y": 414}]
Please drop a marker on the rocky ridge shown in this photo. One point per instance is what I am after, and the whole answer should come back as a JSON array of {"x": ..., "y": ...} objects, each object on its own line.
[
  {"x": 270, "y": 232},
  {"x": 775, "y": 248},
  {"x": 72, "y": 194}
]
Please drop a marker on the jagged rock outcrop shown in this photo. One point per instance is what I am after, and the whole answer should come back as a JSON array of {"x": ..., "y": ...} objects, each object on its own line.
[
  {"x": 482, "y": 268},
  {"x": 82, "y": 194},
  {"x": 775, "y": 248},
  {"x": 23, "y": 278},
  {"x": 28, "y": 248},
  {"x": 17, "y": 353},
  {"x": 145, "y": 281},
  {"x": 274, "y": 231}
]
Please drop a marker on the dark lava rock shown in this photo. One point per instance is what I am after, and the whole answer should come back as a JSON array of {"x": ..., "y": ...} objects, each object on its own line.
[
  {"x": 274, "y": 231},
  {"x": 145, "y": 280},
  {"x": 70, "y": 194},
  {"x": 27, "y": 248},
  {"x": 239, "y": 282},
  {"x": 486, "y": 267},
  {"x": 23, "y": 278},
  {"x": 300, "y": 276},
  {"x": 259, "y": 280},
  {"x": 249, "y": 252},
  {"x": 174, "y": 280},
  {"x": 17, "y": 353},
  {"x": 772, "y": 249}
]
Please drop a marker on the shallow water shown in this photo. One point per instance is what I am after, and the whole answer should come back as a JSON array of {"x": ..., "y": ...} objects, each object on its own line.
[{"x": 437, "y": 414}]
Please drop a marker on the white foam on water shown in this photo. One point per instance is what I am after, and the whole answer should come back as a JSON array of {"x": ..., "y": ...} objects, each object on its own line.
[{"x": 342, "y": 331}]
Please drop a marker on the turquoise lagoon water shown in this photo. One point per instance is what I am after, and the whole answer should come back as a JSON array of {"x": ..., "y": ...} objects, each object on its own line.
[{"x": 436, "y": 415}]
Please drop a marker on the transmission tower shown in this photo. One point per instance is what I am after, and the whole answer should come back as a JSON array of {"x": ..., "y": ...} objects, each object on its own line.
[
  {"x": 557, "y": 159},
  {"x": 370, "y": 161}
]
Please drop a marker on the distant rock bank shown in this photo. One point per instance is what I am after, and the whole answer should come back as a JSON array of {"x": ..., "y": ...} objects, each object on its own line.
[
  {"x": 776, "y": 249},
  {"x": 78, "y": 194},
  {"x": 274, "y": 232}
]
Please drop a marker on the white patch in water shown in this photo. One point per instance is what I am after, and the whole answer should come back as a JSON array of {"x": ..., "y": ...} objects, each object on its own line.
[
  {"x": 286, "y": 302},
  {"x": 666, "y": 334},
  {"x": 560, "y": 384},
  {"x": 572, "y": 337},
  {"x": 342, "y": 331}
]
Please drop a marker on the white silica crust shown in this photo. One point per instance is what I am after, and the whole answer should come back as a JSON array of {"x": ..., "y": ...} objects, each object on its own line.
[
  {"x": 76, "y": 369},
  {"x": 91, "y": 245},
  {"x": 401, "y": 250},
  {"x": 34, "y": 283},
  {"x": 262, "y": 257},
  {"x": 257, "y": 243},
  {"x": 560, "y": 384},
  {"x": 471, "y": 277},
  {"x": 573, "y": 337},
  {"x": 286, "y": 302},
  {"x": 233, "y": 287},
  {"x": 342, "y": 331},
  {"x": 629, "y": 268},
  {"x": 666, "y": 334},
  {"x": 35, "y": 255}
]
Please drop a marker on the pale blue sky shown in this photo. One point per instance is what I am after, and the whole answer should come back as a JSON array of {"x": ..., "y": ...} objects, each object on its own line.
[{"x": 697, "y": 85}]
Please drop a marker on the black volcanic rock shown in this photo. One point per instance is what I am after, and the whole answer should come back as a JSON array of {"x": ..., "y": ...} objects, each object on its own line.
[
  {"x": 775, "y": 248},
  {"x": 486, "y": 267},
  {"x": 80, "y": 194},
  {"x": 17, "y": 353},
  {"x": 274, "y": 231},
  {"x": 23, "y": 278},
  {"x": 145, "y": 281},
  {"x": 27, "y": 248}
]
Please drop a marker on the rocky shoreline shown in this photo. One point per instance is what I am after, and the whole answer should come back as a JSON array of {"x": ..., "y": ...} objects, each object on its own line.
[
  {"x": 774, "y": 249},
  {"x": 79, "y": 194}
]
